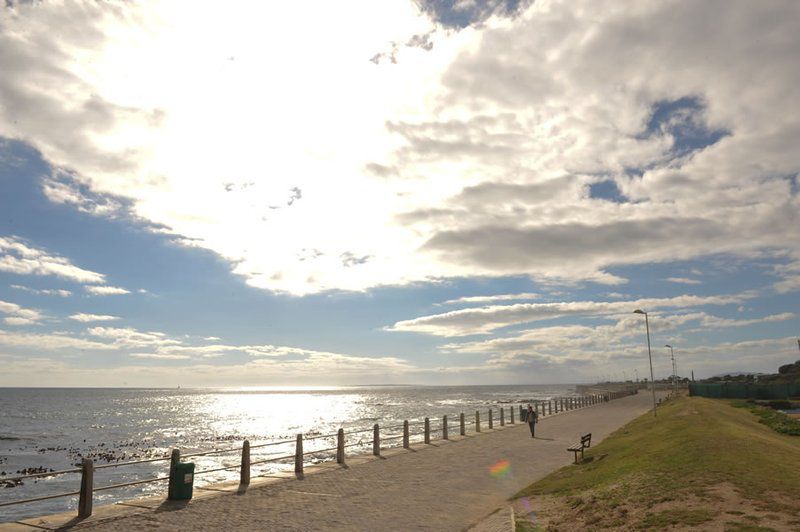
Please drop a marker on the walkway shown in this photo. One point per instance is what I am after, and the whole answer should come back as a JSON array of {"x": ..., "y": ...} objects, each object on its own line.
[{"x": 444, "y": 486}]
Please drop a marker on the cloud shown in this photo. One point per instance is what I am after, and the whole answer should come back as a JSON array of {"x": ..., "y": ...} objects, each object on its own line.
[
  {"x": 128, "y": 337},
  {"x": 16, "y": 320},
  {"x": 790, "y": 277},
  {"x": 292, "y": 360},
  {"x": 106, "y": 290},
  {"x": 17, "y": 256},
  {"x": 85, "y": 318},
  {"x": 44, "y": 292},
  {"x": 713, "y": 321},
  {"x": 63, "y": 188},
  {"x": 160, "y": 356},
  {"x": 49, "y": 342},
  {"x": 683, "y": 280},
  {"x": 308, "y": 371},
  {"x": 484, "y": 320},
  {"x": 19, "y": 315},
  {"x": 597, "y": 343},
  {"x": 490, "y": 145},
  {"x": 489, "y": 299}
]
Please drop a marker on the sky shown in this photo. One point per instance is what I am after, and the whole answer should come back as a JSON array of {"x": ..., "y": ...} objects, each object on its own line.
[{"x": 397, "y": 192}]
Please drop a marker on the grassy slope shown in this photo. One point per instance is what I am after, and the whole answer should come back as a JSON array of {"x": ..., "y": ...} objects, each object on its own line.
[{"x": 693, "y": 444}]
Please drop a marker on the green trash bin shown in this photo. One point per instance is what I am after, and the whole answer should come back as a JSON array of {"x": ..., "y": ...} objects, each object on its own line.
[{"x": 181, "y": 481}]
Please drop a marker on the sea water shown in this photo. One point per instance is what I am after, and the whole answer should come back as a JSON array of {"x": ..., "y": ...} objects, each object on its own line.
[{"x": 54, "y": 428}]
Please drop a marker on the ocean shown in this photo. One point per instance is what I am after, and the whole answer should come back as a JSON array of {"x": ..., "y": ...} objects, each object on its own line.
[{"x": 53, "y": 428}]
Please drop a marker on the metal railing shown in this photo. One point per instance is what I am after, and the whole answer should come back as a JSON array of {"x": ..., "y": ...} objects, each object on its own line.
[{"x": 441, "y": 426}]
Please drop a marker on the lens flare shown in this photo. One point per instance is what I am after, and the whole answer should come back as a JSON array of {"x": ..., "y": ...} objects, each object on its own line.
[{"x": 500, "y": 469}]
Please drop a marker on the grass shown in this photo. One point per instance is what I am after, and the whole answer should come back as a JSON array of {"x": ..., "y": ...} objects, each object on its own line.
[
  {"x": 678, "y": 516},
  {"x": 777, "y": 421},
  {"x": 640, "y": 475}
]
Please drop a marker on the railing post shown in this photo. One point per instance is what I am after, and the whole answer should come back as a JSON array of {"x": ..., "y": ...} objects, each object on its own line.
[
  {"x": 445, "y": 435},
  {"x": 340, "y": 447},
  {"x": 298, "y": 455},
  {"x": 427, "y": 430},
  {"x": 87, "y": 485},
  {"x": 174, "y": 459},
  {"x": 561, "y": 406},
  {"x": 405, "y": 435},
  {"x": 543, "y": 412},
  {"x": 463, "y": 425},
  {"x": 477, "y": 421},
  {"x": 376, "y": 440},
  {"x": 502, "y": 417},
  {"x": 491, "y": 421},
  {"x": 521, "y": 410},
  {"x": 244, "y": 472},
  {"x": 511, "y": 411},
  {"x": 549, "y": 408}
]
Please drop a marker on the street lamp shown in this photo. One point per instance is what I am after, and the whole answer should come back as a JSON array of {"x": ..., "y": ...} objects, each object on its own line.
[
  {"x": 674, "y": 370},
  {"x": 650, "y": 355}
]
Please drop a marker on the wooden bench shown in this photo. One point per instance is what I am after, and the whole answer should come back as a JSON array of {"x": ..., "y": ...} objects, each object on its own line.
[{"x": 578, "y": 447}]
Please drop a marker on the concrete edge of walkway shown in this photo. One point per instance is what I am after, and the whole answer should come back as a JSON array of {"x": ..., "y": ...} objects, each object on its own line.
[
  {"x": 69, "y": 519},
  {"x": 501, "y": 520}
]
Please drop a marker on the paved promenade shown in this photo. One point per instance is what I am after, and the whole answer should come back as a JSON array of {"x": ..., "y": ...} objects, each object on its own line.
[{"x": 443, "y": 486}]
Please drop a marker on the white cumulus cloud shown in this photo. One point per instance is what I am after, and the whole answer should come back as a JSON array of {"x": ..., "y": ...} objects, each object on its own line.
[
  {"x": 86, "y": 318},
  {"x": 106, "y": 290},
  {"x": 17, "y": 256}
]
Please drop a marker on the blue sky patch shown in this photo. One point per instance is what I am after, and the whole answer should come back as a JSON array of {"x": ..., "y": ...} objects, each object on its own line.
[{"x": 683, "y": 120}]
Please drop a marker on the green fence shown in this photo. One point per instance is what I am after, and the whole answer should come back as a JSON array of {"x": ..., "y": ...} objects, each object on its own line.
[{"x": 742, "y": 390}]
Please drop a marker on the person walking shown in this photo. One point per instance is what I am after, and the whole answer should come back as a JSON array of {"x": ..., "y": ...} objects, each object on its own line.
[{"x": 532, "y": 418}]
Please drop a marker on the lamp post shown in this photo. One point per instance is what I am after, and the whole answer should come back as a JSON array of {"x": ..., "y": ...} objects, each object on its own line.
[
  {"x": 650, "y": 355},
  {"x": 674, "y": 370}
]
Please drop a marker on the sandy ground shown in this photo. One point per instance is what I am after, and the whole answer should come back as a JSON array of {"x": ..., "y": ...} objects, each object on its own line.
[{"x": 442, "y": 486}]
